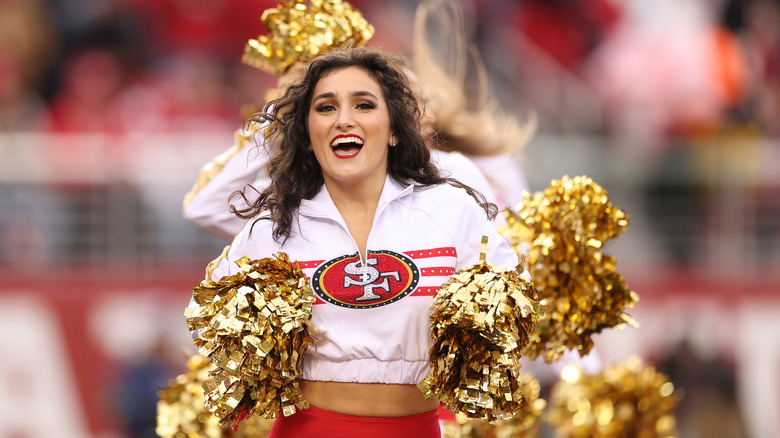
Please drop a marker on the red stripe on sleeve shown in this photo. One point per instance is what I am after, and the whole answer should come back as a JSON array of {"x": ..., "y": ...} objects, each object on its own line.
[
  {"x": 448, "y": 251},
  {"x": 310, "y": 264},
  {"x": 426, "y": 291},
  {"x": 437, "y": 271}
]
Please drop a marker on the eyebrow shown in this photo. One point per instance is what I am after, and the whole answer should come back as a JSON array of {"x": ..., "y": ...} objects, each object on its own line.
[{"x": 331, "y": 95}]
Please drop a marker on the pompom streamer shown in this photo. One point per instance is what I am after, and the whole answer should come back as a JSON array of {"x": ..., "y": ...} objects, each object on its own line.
[
  {"x": 564, "y": 229},
  {"x": 629, "y": 400},
  {"x": 481, "y": 319},
  {"x": 525, "y": 423},
  {"x": 254, "y": 327},
  {"x": 181, "y": 410}
]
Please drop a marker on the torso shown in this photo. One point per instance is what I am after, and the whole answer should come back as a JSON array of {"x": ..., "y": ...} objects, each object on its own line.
[
  {"x": 359, "y": 229},
  {"x": 369, "y": 353},
  {"x": 359, "y": 217},
  {"x": 367, "y": 399}
]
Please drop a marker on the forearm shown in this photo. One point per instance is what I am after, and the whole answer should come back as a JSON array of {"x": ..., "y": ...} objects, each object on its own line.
[{"x": 207, "y": 205}]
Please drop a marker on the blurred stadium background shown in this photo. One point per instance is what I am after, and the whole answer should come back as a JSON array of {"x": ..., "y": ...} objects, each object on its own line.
[{"x": 108, "y": 108}]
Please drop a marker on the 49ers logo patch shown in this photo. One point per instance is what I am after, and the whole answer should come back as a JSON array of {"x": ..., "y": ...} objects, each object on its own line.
[{"x": 386, "y": 278}]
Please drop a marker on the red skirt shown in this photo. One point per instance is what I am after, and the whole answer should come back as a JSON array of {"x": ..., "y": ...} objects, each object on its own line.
[{"x": 319, "y": 423}]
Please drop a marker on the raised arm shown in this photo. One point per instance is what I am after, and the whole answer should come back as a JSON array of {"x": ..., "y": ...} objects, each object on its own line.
[{"x": 207, "y": 205}]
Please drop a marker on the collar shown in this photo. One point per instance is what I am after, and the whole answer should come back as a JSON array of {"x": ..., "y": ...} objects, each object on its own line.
[{"x": 322, "y": 206}]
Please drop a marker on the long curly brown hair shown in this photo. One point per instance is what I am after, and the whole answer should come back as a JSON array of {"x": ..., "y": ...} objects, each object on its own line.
[{"x": 294, "y": 171}]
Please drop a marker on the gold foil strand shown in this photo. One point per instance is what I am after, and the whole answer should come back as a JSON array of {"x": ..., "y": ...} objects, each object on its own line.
[
  {"x": 253, "y": 326},
  {"x": 525, "y": 424},
  {"x": 480, "y": 320},
  {"x": 564, "y": 228},
  {"x": 299, "y": 33},
  {"x": 630, "y": 399},
  {"x": 181, "y": 408}
]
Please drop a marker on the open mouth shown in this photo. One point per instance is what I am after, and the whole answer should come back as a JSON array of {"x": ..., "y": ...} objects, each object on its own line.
[{"x": 346, "y": 146}]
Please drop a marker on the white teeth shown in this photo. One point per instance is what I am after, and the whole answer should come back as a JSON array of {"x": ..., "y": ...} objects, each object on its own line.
[{"x": 341, "y": 140}]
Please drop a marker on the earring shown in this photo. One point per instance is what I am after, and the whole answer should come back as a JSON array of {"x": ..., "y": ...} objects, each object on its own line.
[{"x": 393, "y": 141}]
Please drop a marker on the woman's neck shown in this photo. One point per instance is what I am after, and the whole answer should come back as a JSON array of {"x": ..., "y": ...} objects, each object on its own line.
[
  {"x": 351, "y": 198},
  {"x": 357, "y": 205}
]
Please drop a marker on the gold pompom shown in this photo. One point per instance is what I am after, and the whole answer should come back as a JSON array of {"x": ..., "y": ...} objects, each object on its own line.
[
  {"x": 481, "y": 318},
  {"x": 565, "y": 228},
  {"x": 624, "y": 401},
  {"x": 254, "y": 327},
  {"x": 298, "y": 33},
  {"x": 181, "y": 409},
  {"x": 525, "y": 423}
]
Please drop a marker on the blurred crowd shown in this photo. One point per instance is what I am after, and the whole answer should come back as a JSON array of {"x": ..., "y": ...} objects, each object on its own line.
[
  {"x": 688, "y": 90},
  {"x": 122, "y": 66},
  {"x": 658, "y": 69}
]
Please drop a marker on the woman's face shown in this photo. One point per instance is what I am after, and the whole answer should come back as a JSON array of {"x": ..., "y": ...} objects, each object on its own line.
[{"x": 349, "y": 127}]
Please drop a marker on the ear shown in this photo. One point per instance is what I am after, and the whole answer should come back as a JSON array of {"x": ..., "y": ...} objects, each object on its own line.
[{"x": 393, "y": 140}]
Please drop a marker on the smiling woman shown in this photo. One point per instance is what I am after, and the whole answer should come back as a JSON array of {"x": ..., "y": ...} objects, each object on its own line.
[
  {"x": 349, "y": 129},
  {"x": 355, "y": 199}
]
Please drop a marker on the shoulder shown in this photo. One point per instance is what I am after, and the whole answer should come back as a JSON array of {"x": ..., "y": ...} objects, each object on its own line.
[
  {"x": 462, "y": 168},
  {"x": 256, "y": 231},
  {"x": 446, "y": 200},
  {"x": 453, "y": 163},
  {"x": 443, "y": 193},
  {"x": 453, "y": 211}
]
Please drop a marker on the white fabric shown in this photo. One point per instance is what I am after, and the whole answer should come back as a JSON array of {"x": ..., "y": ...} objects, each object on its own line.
[
  {"x": 439, "y": 229},
  {"x": 209, "y": 209},
  {"x": 505, "y": 176},
  {"x": 463, "y": 169}
]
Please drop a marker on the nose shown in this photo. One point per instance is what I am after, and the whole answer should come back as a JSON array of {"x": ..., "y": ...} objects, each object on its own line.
[{"x": 345, "y": 120}]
